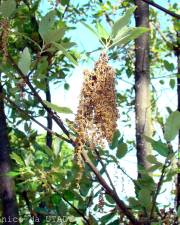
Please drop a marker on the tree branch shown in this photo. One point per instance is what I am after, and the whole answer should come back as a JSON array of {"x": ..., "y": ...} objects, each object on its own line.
[
  {"x": 70, "y": 204},
  {"x": 162, "y": 8},
  {"x": 34, "y": 120}
]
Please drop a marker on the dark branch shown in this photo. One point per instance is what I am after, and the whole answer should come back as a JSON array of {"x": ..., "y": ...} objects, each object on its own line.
[{"x": 162, "y": 8}]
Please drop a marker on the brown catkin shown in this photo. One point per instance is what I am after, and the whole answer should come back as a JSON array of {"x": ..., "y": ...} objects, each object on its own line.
[{"x": 97, "y": 114}]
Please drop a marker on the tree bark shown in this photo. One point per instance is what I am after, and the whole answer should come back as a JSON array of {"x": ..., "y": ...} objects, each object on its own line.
[
  {"x": 142, "y": 89},
  {"x": 7, "y": 192},
  {"x": 177, "y": 53}
]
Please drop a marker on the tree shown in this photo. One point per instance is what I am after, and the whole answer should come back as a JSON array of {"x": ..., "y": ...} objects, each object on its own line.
[
  {"x": 142, "y": 88},
  {"x": 65, "y": 175}
]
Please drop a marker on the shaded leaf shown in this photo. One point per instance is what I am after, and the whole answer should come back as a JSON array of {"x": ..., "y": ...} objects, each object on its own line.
[
  {"x": 114, "y": 142},
  {"x": 144, "y": 197},
  {"x": 58, "y": 109},
  {"x": 121, "y": 150},
  {"x": 169, "y": 66},
  {"x": 172, "y": 83},
  {"x": 54, "y": 35}
]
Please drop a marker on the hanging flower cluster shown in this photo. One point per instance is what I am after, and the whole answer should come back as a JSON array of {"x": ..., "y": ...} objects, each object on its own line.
[{"x": 97, "y": 114}]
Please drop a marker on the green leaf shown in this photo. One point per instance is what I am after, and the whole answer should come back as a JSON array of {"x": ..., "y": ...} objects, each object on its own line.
[
  {"x": 152, "y": 159},
  {"x": 17, "y": 158},
  {"x": 46, "y": 23},
  {"x": 105, "y": 219},
  {"x": 115, "y": 222},
  {"x": 25, "y": 61},
  {"x": 144, "y": 197},
  {"x": 114, "y": 142},
  {"x": 90, "y": 29},
  {"x": 58, "y": 109},
  {"x": 178, "y": 212},
  {"x": 61, "y": 48},
  {"x": 54, "y": 35},
  {"x": 122, "y": 22},
  {"x": 7, "y": 8},
  {"x": 172, "y": 83},
  {"x": 169, "y": 66},
  {"x": 158, "y": 146},
  {"x": 172, "y": 126},
  {"x": 154, "y": 167},
  {"x": 102, "y": 33},
  {"x": 121, "y": 150},
  {"x": 13, "y": 174},
  {"x": 127, "y": 35},
  {"x": 64, "y": 2}
]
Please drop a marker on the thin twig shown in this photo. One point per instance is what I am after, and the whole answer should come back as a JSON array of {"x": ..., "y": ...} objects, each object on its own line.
[
  {"x": 160, "y": 182},
  {"x": 177, "y": 16},
  {"x": 34, "y": 120},
  {"x": 70, "y": 204},
  {"x": 105, "y": 170}
]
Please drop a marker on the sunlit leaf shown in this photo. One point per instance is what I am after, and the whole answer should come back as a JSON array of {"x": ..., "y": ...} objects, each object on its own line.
[
  {"x": 7, "y": 8},
  {"x": 102, "y": 31},
  {"x": 158, "y": 146},
  {"x": 64, "y": 51},
  {"x": 172, "y": 126},
  {"x": 122, "y": 22},
  {"x": 17, "y": 159},
  {"x": 127, "y": 35},
  {"x": 13, "y": 174},
  {"x": 46, "y": 23},
  {"x": 25, "y": 61},
  {"x": 58, "y": 109}
]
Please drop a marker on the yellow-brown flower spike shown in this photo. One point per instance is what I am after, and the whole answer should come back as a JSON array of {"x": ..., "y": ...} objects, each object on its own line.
[{"x": 97, "y": 114}]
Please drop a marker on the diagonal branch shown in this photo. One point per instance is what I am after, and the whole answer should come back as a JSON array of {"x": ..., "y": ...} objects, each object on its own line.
[
  {"x": 14, "y": 105},
  {"x": 152, "y": 3},
  {"x": 71, "y": 205}
]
